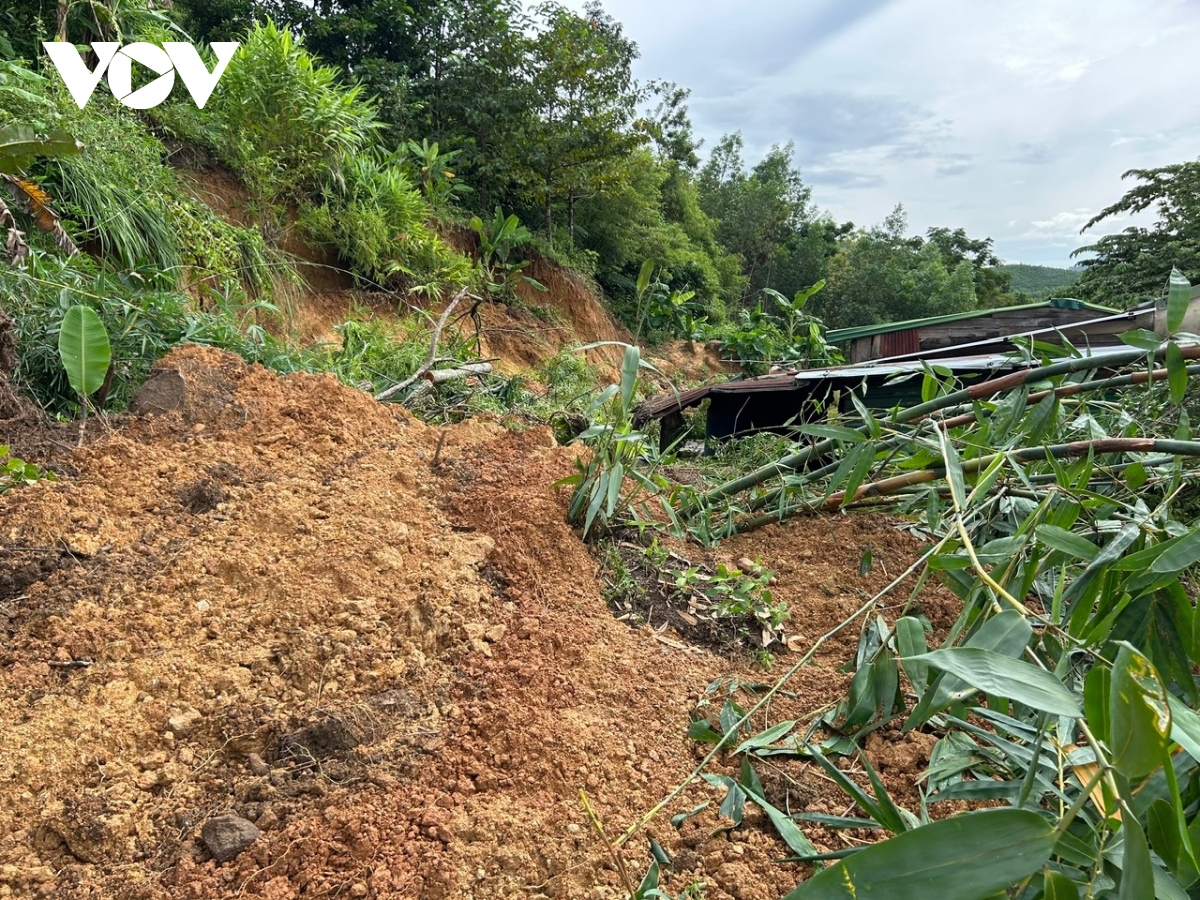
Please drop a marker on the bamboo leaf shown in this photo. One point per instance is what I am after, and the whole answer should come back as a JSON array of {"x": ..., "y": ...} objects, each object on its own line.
[
  {"x": 734, "y": 803},
  {"x": 892, "y": 820},
  {"x": 954, "y": 473},
  {"x": 1067, "y": 541},
  {"x": 678, "y": 820},
  {"x": 784, "y": 824},
  {"x": 1136, "y": 476},
  {"x": 1185, "y": 727},
  {"x": 910, "y": 642},
  {"x": 1005, "y": 677},
  {"x": 1142, "y": 339},
  {"x": 1097, "y": 689},
  {"x": 765, "y": 738},
  {"x": 629, "y": 374},
  {"x": 865, "y": 459},
  {"x": 864, "y": 800},
  {"x": 1057, "y": 886},
  {"x": 1183, "y": 552},
  {"x": 84, "y": 349},
  {"x": 649, "y": 883},
  {"x": 1137, "y": 871},
  {"x": 1179, "y": 295},
  {"x": 834, "y": 433},
  {"x": 966, "y": 857},
  {"x": 1139, "y": 717}
]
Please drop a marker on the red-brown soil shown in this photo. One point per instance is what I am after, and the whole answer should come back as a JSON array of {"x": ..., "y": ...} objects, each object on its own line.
[{"x": 378, "y": 641}]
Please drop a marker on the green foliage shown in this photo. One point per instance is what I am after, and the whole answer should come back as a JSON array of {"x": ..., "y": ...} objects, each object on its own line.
[
  {"x": 882, "y": 275},
  {"x": 1130, "y": 267},
  {"x": 601, "y": 499},
  {"x": 84, "y": 349},
  {"x": 119, "y": 199},
  {"x": 730, "y": 593},
  {"x": 303, "y": 139},
  {"x": 497, "y": 240},
  {"x": 437, "y": 182},
  {"x": 285, "y": 123},
  {"x": 16, "y": 472},
  {"x": 756, "y": 338},
  {"x": 142, "y": 322},
  {"x": 758, "y": 212},
  {"x": 1065, "y": 691}
]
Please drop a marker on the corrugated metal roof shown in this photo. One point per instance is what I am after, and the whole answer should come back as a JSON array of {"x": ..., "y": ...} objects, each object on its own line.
[
  {"x": 841, "y": 335},
  {"x": 664, "y": 404},
  {"x": 977, "y": 363}
]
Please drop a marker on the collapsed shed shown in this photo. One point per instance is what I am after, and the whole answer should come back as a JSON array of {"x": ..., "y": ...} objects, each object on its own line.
[{"x": 987, "y": 346}]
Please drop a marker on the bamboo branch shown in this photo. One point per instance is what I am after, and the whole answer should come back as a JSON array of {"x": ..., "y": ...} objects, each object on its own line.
[
  {"x": 433, "y": 347},
  {"x": 897, "y": 483},
  {"x": 982, "y": 391}
]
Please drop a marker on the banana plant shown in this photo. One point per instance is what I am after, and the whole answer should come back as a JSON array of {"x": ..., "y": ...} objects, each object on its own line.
[
  {"x": 86, "y": 354},
  {"x": 19, "y": 145}
]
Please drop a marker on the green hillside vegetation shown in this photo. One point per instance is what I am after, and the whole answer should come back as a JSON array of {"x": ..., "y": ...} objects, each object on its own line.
[{"x": 1040, "y": 282}]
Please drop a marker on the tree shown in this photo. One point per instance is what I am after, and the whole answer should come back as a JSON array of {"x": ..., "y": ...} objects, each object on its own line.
[
  {"x": 992, "y": 285},
  {"x": 586, "y": 99},
  {"x": 1133, "y": 266},
  {"x": 670, "y": 126},
  {"x": 758, "y": 212},
  {"x": 883, "y": 275}
]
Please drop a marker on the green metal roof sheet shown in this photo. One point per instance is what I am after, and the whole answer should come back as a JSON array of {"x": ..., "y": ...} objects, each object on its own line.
[{"x": 851, "y": 334}]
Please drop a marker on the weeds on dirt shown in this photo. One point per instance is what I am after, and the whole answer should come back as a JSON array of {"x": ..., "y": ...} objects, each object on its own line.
[
  {"x": 16, "y": 472},
  {"x": 730, "y": 593}
]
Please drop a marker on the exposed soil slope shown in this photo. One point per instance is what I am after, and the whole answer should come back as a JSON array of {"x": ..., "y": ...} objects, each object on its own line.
[{"x": 374, "y": 639}]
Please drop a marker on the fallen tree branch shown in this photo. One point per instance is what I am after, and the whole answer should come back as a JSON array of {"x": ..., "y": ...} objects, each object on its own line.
[
  {"x": 433, "y": 347},
  {"x": 440, "y": 376}
]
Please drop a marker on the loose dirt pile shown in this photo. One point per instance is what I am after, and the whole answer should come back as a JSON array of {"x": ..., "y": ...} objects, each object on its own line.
[{"x": 374, "y": 640}]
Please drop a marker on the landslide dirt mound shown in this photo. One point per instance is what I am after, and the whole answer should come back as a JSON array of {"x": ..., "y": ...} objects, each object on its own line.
[{"x": 375, "y": 640}]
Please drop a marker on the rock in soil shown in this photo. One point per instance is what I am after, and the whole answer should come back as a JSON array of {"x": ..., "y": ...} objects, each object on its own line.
[{"x": 228, "y": 835}]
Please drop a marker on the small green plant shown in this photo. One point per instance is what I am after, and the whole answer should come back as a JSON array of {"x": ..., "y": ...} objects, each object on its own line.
[
  {"x": 730, "y": 593},
  {"x": 16, "y": 472},
  {"x": 85, "y": 351},
  {"x": 601, "y": 498},
  {"x": 764, "y": 659},
  {"x": 497, "y": 240},
  {"x": 758, "y": 338},
  {"x": 432, "y": 168}
]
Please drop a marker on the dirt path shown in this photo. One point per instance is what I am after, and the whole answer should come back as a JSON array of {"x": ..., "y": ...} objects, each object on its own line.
[{"x": 376, "y": 641}]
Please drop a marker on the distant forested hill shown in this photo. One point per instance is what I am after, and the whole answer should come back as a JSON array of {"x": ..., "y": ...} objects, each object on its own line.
[{"x": 1040, "y": 282}]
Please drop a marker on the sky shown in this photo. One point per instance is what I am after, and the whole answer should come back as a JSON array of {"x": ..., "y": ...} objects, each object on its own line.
[{"x": 1013, "y": 119}]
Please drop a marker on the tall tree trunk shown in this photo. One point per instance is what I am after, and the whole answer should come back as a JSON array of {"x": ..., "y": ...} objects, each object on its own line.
[
  {"x": 571, "y": 215},
  {"x": 549, "y": 216}
]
